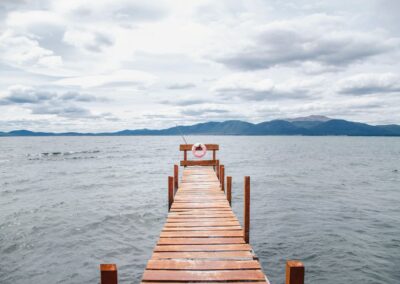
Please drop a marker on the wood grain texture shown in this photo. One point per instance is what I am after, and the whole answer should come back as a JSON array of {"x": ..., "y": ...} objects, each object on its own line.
[
  {"x": 202, "y": 240},
  {"x": 229, "y": 189},
  {"x": 246, "y": 214},
  {"x": 294, "y": 272},
  {"x": 204, "y": 163},
  {"x": 188, "y": 147},
  {"x": 108, "y": 274}
]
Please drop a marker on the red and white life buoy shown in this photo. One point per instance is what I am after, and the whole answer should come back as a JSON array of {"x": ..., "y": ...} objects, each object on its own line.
[{"x": 199, "y": 153}]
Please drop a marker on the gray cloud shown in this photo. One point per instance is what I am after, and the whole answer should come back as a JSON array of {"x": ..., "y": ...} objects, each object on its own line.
[
  {"x": 51, "y": 103},
  {"x": 203, "y": 111},
  {"x": 255, "y": 88},
  {"x": 23, "y": 95},
  {"x": 92, "y": 41},
  {"x": 99, "y": 42},
  {"x": 184, "y": 102},
  {"x": 139, "y": 12},
  {"x": 317, "y": 38},
  {"x": 272, "y": 94},
  {"x": 61, "y": 110},
  {"x": 78, "y": 97},
  {"x": 181, "y": 86},
  {"x": 121, "y": 11},
  {"x": 20, "y": 96},
  {"x": 367, "y": 84}
]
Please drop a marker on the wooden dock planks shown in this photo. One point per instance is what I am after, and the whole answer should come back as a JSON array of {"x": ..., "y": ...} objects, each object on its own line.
[{"x": 202, "y": 240}]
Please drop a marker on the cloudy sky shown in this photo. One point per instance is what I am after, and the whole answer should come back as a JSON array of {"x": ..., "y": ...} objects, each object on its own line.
[{"x": 114, "y": 64}]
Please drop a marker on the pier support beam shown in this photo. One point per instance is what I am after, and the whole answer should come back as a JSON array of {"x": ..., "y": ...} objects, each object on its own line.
[
  {"x": 108, "y": 274},
  {"x": 222, "y": 177},
  {"x": 246, "y": 214},
  {"x": 229, "y": 189},
  {"x": 294, "y": 272},
  {"x": 217, "y": 168},
  {"x": 176, "y": 177},
  {"x": 170, "y": 191}
]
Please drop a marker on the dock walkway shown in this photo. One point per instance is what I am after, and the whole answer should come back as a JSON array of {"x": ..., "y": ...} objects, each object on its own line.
[{"x": 202, "y": 240}]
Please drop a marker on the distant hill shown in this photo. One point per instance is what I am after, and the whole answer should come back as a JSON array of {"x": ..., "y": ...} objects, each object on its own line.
[{"x": 310, "y": 126}]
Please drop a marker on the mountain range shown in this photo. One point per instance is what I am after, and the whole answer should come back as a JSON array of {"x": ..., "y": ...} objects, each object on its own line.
[{"x": 309, "y": 126}]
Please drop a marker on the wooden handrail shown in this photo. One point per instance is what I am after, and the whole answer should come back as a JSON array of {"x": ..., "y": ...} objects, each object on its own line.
[
  {"x": 199, "y": 163},
  {"x": 188, "y": 147}
]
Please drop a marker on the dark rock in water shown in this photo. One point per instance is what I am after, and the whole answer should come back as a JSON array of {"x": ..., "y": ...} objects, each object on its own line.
[{"x": 395, "y": 171}]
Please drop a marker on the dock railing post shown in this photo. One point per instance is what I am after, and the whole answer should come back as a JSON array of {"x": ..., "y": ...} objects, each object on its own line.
[
  {"x": 170, "y": 191},
  {"x": 176, "y": 178},
  {"x": 108, "y": 274},
  {"x": 294, "y": 272},
  {"x": 214, "y": 157},
  {"x": 222, "y": 177},
  {"x": 185, "y": 156},
  {"x": 246, "y": 214},
  {"x": 217, "y": 168},
  {"x": 229, "y": 189}
]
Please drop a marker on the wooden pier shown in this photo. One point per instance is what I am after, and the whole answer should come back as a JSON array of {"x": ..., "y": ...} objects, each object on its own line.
[{"x": 202, "y": 240}]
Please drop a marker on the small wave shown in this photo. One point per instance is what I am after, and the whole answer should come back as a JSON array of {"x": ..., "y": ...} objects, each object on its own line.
[
  {"x": 81, "y": 152},
  {"x": 58, "y": 155}
]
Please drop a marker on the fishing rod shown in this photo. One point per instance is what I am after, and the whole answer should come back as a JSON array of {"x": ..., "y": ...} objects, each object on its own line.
[{"x": 183, "y": 137}]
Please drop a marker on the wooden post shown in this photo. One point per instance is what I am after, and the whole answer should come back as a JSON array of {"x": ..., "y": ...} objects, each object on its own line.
[
  {"x": 217, "y": 168},
  {"x": 185, "y": 156},
  {"x": 246, "y": 214},
  {"x": 170, "y": 192},
  {"x": 214, "y": 157},
  {"x": 108, "y": 274},
  {"x": 176, "y": 177},
  {"x": 222, "y": 177},
  {"x": 229, "y": 189},
  {"x": 294, "y": 272}
]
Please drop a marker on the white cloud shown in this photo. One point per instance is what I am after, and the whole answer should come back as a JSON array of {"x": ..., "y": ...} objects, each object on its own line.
[
  {"x": 136, "y": 79},
  {"x": 165, "y": 62},
  {"x": 256, "y": 88},
  {"x": 91, "y": 41},
  {"x": 25, "y": 52}
]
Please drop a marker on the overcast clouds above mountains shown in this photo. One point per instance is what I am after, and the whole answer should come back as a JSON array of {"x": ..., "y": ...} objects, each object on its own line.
[{"x": 110, "y": 65}]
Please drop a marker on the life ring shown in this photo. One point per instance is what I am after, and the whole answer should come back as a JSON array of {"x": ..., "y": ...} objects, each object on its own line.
[{"x": 199, "y": 154}]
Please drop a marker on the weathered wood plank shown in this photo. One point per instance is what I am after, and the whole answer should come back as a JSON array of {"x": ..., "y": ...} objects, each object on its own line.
[
  {"x": 198, "y": 163},
  {"x": 221, "y": 275},
  {"x": 169, "y": 229},
  {"x": 224, "y": 247},
  {"x": 191, "y": 241},
  {"x": 202, "y": 240},
  {"x": 202, "y": 264},
  {"x": 188, "y": 147},
  {"x": 201, "y": 234},
  {"x": 203, "y": 224}
]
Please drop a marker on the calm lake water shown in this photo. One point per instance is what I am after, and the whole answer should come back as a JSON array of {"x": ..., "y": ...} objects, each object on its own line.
[{"x": 68, "y": 204}]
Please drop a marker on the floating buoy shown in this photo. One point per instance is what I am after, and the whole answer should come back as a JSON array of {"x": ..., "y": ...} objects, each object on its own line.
[{"x": 199, "y": 150}]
